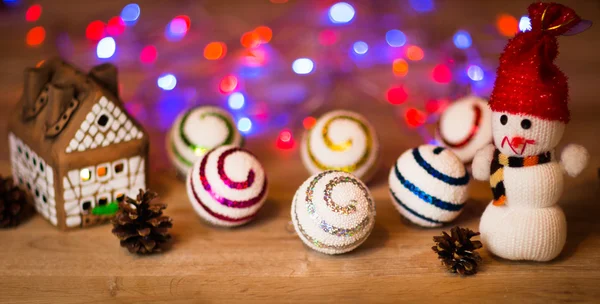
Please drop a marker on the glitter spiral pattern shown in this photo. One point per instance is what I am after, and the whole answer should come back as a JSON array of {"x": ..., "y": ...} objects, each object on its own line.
[
  {"x": 199, "y": 149},
  {"x": 341, "y": 239},
  {"x": 196, "y": 131},
  {"x": 341, "y": 147},
  {"x": 227, "y": 187},
  {"x": 221, "y": 199}
]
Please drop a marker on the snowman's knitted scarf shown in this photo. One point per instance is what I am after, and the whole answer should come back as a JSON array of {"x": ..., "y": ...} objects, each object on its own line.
[{"x": 497, "y": 171}]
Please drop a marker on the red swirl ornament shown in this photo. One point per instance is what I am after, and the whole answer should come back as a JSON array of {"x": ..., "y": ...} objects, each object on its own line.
[
  {"x": 231, "y": 184},
  {"x": 216, "y": 215},
  {"x": 472, "y": 132}
]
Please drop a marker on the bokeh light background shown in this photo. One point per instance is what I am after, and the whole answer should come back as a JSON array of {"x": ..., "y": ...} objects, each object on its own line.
[{"x": 276, "y": 74}]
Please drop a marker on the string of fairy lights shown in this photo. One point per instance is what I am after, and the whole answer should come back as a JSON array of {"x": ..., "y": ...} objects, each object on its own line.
[{"x": 241, "y": 68}]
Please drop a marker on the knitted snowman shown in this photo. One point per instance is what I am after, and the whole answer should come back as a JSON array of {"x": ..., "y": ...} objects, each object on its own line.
[{"x": 530, "y": 112}]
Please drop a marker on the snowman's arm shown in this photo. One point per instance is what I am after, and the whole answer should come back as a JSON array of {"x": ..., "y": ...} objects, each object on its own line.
[
  {"x": 482, "y": 161},
  {"x": 573, "y": 159}
]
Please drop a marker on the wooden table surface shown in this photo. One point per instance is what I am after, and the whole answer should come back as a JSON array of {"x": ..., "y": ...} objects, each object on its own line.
[{"x": 266, "y": 262}]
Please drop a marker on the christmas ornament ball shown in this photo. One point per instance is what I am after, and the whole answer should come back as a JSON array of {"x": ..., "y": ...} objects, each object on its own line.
[
  {"x": 344, "y": 141},
  {"x": 465, "y": 127},
  {"x": 227, "y": 186},
  {"x": 333, "y": 212},
  {"x": 428, "y": 185},
  {"x": 198, "y": 130}
]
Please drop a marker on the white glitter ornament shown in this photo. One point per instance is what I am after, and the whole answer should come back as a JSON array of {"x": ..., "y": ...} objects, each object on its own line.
[
  {"x": 344, "y": 141},
  {"x": 428, "y": 185},
  {"x": 333, "y": 212},
  {"x": 465, "y": 127},
  {"x": 227, "y": 186},
  {"x": 198, "y": 130}
]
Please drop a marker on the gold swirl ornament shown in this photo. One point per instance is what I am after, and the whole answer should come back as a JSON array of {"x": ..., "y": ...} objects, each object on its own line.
[{"x": 341, "y": 147}]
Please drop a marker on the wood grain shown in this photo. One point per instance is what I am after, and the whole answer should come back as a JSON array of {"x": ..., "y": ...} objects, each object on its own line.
[{"x": 265, "y": 261}]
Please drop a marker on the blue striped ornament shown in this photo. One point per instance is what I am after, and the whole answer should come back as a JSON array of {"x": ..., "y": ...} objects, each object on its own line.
[{"x": 428, "y": 185}]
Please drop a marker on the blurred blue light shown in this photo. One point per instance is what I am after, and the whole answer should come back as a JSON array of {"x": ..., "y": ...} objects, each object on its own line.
[
  {"x": 303, "y": 66},
  {"x": 11, "y": 2},
  {"x": 341, "y": 12},
  {"x": 130, "y": 13},
  {"x": 395, "y": 38},
  {"x": 475, "y": 73},
  {"x": 360, "y": 47},
  {"x": 167, "y": 82},
  {"x": 236, "y": 101},
  {"x": 244, "y": 124},
  {"x": 525, "y": 24},
  {"x": 462, "y": 39},
  {"x": 422, "y": 6},
  {"x": 106, "y": 48}
]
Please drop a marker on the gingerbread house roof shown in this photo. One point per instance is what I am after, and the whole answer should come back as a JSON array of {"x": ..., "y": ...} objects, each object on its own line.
[{"x": 68, "y": 117}]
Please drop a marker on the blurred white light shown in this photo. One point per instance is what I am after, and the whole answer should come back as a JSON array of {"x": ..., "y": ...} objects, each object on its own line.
[
  {"x": 341, "y": 12},
  {"x": 360, "y": 47},
  {"x": 106, "y": 48},
  {"x": 475, "y": 73},
  {"x": 303, "y": 66},
  {"x": 525, "y": 24},
  {"x": 244, "y": 124},
  {"x": 236, "y": 100},
  {"x": 167, "y": 82}
]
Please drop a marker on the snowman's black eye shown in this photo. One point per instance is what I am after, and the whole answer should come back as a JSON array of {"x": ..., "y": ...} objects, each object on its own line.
[
  {"x": 525, "y": 124},
  {"x": 503, "y": 119}
]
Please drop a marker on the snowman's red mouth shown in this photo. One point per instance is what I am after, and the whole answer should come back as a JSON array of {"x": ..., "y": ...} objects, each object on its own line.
[{"x": 517, "y": 142}]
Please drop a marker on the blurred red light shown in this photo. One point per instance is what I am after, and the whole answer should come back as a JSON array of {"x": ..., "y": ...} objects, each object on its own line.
[
  {"x": 414, "y": 118},
  {"x": 33, "y": 13},
  {"x": 309, "y": 122},
  {"x": 148, "y": 54},
  {"x": 285, "y": 140},
  {"x": 116, "y": 26},
  {"x": 95, "y": 31},
  {"x": 397, "y": 95},
  {"x": 228, "y": 84},
  {"x": 442, "y": 74},
  {"x": 328, "y": 37},
  {"x": 35, "y": 36}
]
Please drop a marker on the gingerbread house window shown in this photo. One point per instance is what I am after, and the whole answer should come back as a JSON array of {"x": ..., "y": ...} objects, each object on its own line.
[
  {"x": 85, "y": 175},
  {"x": 87, "y": 205},
  {"x": 102, "y": 201},
  {"x": 119, "y": 168},
  {"x": 102, "y": 171},
  {"x": 104, "y": 120}
]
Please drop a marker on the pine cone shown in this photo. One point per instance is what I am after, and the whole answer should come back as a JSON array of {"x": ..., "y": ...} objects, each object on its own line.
[
  {"x": 13, "y": 203},
  {"x": 457, "y": 251},
  {"x": 140, "y": 224}
]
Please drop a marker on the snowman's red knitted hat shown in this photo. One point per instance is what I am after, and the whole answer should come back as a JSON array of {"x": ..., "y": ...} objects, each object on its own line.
[{"x": 528, "y": 82}]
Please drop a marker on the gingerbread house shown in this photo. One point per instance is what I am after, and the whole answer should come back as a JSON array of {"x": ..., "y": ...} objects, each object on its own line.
[{"x": 73, "y": 146}]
